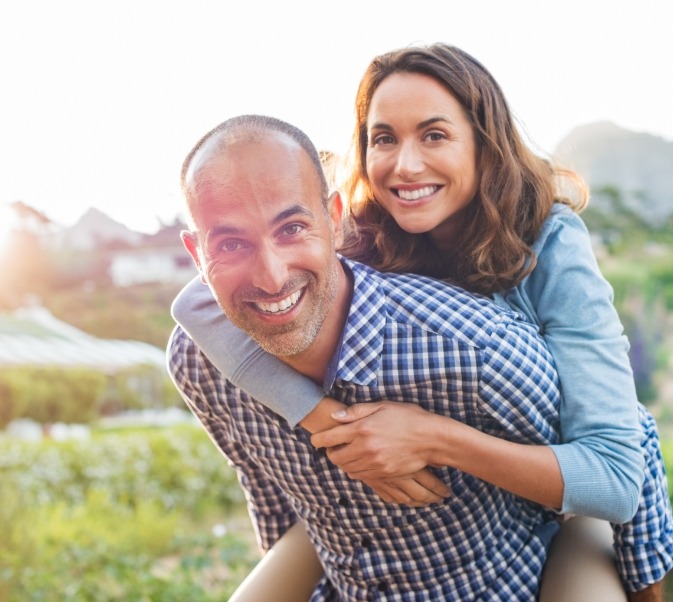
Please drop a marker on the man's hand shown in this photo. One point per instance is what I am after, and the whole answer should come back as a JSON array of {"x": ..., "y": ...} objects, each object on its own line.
[{"x": 420, "y": 489}]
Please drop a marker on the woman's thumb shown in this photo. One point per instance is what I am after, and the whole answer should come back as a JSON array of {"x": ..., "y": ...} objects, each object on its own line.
[{"x": 355, "y": 412}]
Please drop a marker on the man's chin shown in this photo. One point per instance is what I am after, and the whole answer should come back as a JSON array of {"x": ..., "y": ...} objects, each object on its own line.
[{"x": 281, "y": 345}]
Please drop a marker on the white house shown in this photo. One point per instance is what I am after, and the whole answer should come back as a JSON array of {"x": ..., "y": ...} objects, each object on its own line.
[{"x": 151, "y": 264}]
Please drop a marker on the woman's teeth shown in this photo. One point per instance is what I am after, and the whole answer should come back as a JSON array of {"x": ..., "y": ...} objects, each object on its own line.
[{"x": 413, "y": 195}]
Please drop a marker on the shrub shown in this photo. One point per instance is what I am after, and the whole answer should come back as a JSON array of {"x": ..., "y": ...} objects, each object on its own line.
[
  {"x": 80, "y": 395},
  {"x": 49, "y": 395},
  {"x": 122, "y": 516}
]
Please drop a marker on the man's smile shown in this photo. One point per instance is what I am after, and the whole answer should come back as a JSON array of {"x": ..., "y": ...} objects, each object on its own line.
[{"x": 281, "y": 306}]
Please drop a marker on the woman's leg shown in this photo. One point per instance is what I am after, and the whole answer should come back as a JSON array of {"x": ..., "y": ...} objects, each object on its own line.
[
  {"x": 288, "y": 572},
  {"x": 581, "y": 565}
]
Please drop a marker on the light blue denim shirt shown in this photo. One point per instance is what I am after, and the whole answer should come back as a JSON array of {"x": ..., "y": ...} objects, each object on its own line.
[
  {"x": 571, "y": 302},
  {"x": 568, "y": 298}
]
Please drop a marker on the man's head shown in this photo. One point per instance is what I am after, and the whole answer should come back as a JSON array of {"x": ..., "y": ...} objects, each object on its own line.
[{"x": 264, "y": 231}]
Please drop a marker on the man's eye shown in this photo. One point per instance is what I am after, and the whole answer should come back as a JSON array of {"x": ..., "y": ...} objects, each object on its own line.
[
  {"x": 292, "y": 229},
  {"x": 231, "y": 246}
]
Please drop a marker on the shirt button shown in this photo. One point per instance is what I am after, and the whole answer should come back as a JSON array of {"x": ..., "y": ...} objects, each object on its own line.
[
  {"x": 343, "y": 501},
  {"x": 382, "y": 586},
  {"x": 365, "y": 542}
]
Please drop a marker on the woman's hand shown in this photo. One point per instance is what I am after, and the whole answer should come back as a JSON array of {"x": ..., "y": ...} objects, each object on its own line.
[
  {"x": 378, "y": 440},
  {"x": 381, "y": 440},
  {"x": 382, "y": 445}
]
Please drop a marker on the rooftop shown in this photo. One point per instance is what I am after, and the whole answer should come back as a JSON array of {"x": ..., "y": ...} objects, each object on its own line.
[{"x": 34, "y": 337}]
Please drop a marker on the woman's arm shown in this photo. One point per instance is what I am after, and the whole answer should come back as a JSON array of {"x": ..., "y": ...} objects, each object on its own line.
[
  {"x": 242, "y": 361},
  {"x": 390, "y": 438},
  {"x": 281, "y": 389},
  {"x": 599, "y": 460},
  {"x": 569, "y": 299}
]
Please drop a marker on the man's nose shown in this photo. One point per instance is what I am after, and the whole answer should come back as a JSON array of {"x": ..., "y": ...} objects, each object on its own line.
[
  {"x": 270, "y": 270},
  {"x": 409, "y": 159}
]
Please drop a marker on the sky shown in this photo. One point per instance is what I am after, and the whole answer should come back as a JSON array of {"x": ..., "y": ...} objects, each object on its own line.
[{"x": 102, "y": 100}]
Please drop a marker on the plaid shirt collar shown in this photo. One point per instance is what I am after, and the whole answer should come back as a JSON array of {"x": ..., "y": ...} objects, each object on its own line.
[{"x": 357, "y": 358}]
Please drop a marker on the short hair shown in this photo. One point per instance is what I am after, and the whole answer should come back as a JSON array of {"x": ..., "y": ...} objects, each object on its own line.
[{"x": 253, "y": 128}]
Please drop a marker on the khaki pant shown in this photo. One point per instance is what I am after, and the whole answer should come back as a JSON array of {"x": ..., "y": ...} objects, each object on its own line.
[
  {"x": 288, "y": 572},
  {"x": 581, "y": 564},
  {"x": 580, "y": 568}
]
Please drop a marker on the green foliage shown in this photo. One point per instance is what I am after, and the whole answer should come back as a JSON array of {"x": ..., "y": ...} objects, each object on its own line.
[
  {"x": 667, "y": 453},
  {"x": 177, "y": 467},
  {"x": 661, "y": 279},
  {"x": 139, "y": 387},
  {"x": 140, "y": 312},
  {"x": 81, "y": 395},
  {"x": 49, "y": 395},
  {"x": 639, "y": 266},
  {"x": 123, "y": 516}
]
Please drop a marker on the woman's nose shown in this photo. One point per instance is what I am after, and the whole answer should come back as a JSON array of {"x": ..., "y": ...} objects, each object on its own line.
[{"x": 409, "y": 160}]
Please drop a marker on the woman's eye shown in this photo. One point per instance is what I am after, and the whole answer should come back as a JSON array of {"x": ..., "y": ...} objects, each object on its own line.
[
  {"x": 383, "y": 139},
  {"x": 436, "y": 136}
]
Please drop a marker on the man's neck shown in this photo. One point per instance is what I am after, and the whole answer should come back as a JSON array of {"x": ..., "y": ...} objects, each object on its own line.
[{"x": 314, "y": 362}]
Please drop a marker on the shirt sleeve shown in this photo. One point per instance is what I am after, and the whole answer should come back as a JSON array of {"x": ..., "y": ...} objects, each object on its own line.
[
  {"x": 240, "y": 359},
  {"x": 203, "y": 389},
  {"x": 600, "y": 458}
]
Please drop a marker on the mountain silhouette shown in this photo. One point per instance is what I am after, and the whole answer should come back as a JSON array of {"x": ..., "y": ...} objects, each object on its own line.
[{"x": 638, "y": 165}]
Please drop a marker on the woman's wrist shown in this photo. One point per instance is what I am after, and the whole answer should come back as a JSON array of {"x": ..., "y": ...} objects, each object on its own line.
[{"x": 320, "y": 418}]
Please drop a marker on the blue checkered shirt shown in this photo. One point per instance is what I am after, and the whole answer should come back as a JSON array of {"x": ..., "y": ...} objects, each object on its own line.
[{"x": 406, "y": 339}]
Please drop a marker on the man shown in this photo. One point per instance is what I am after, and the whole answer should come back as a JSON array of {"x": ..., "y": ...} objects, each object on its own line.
[{"x": 263, "y": 238}]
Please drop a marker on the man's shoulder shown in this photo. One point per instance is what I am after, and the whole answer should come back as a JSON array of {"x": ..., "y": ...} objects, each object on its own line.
[
  {"x": 181, "y": 350},
  {"x": 407, "y": 283},
  {"x": 178, "y": 340},
  {"x": 428, "y": 303}
]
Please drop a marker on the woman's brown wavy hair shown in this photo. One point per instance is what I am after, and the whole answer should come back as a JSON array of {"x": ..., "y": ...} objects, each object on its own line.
[{"x": 515, "y": 194}]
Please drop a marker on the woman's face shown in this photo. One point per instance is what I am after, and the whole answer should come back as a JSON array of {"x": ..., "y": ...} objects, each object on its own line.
[{"x": 421, "y": 155}]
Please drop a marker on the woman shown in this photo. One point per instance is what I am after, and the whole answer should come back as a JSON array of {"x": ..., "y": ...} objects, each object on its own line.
[{"x": 443, "y": 185}]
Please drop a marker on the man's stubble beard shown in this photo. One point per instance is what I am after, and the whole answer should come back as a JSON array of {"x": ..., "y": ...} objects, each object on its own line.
[{"x": 291, "y": 339}]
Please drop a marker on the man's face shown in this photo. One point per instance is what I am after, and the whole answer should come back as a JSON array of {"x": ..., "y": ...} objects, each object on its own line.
[{"x": 265, "y": 242}]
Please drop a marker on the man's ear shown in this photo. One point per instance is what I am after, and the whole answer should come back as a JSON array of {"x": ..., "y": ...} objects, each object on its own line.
[
  {"x": 192, "y": 246},
  {"x": 336, "y": 209}
]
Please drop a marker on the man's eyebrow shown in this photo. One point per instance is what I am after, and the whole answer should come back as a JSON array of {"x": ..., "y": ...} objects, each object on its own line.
[
  {"x": 294, "y": 210},
  {"x": 223, "y": 230},
  {"x": 291, "y": 212}
]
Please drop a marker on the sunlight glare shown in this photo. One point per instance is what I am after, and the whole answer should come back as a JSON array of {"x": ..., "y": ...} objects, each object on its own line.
[{"x": 7, "y": 225}]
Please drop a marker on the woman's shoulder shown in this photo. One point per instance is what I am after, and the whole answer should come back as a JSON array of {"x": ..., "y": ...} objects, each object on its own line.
[{"x": 563, "y": 227}]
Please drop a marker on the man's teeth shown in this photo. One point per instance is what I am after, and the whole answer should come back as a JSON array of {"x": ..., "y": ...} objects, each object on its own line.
[
  {"x": 274, "y": 308},
  {"x": 412, "y": 195}
]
